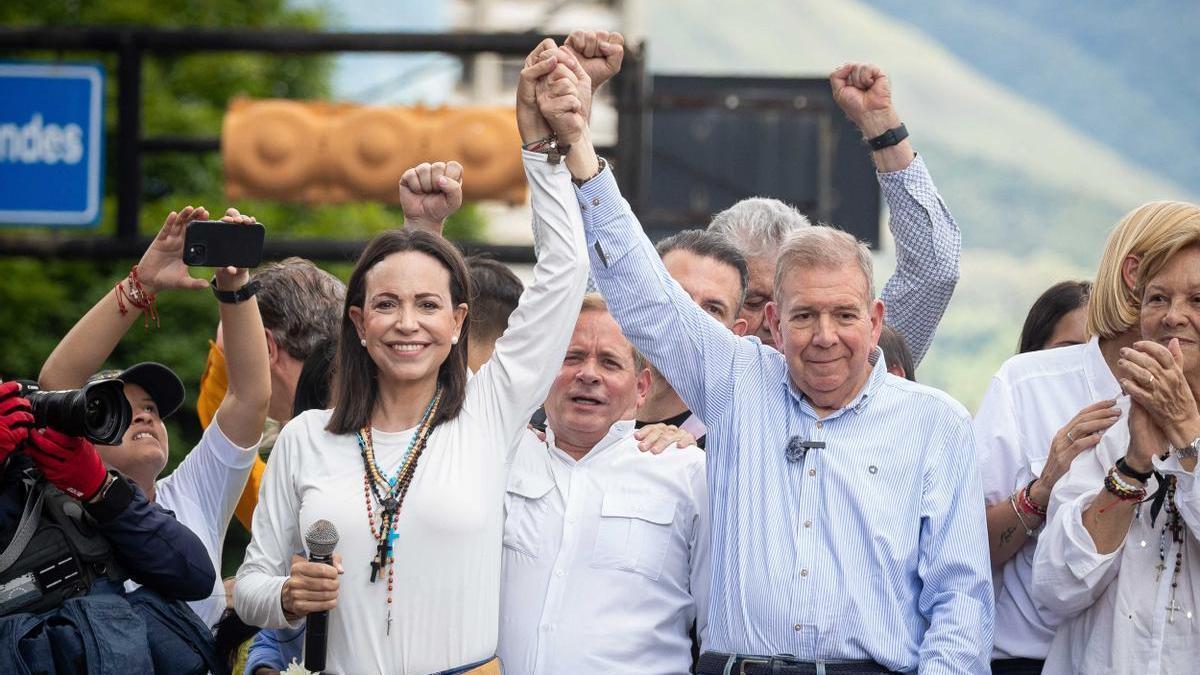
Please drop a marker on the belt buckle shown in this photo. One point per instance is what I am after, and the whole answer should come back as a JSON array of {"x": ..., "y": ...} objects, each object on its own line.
[{"x": 751, "y": 662}]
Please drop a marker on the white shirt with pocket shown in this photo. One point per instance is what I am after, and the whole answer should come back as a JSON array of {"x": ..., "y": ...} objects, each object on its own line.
[
  {"x": 605, "y": 559},
  {"x": 1030, "y": 398}
]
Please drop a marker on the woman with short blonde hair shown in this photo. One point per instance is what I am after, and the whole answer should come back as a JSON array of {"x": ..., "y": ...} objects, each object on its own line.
[{"x": 1040, "y": 412}]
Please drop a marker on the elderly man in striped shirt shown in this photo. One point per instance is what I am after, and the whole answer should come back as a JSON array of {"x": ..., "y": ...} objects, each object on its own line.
[{"x": 847, "y": 519}]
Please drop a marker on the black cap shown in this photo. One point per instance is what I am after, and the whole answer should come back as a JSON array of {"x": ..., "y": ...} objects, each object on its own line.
[{"x": 163, "y": 385}]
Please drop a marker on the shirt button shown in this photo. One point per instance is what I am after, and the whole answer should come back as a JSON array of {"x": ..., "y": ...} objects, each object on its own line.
[
  {"x": 796, "y": 628},
  {"x": 804, "y": 572},
  {"x": 812, "y": 472},
  {"x": 808, "y": 523},
  {"x": 595, "y": 201},
  {"x": 559, "y": 573},
  {"x": 820, "y": 425}
]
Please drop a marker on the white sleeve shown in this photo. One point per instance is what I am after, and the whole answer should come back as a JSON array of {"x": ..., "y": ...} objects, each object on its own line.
[
  {"x": 515, "y": 381},
  {"x": 275, "y": 536},
  {"x": 701, "y": 552},
  {"x": 1069, "y": 574},
  {"x": 998, "y": 442},
  {"x": 211, "y": 479}
]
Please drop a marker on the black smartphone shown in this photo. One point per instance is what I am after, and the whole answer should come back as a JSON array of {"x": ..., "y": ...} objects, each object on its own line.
[{"x": 215, "y": 243}]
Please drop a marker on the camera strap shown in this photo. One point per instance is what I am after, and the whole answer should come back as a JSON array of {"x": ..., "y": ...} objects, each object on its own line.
[{"x": 30, "y": 516}]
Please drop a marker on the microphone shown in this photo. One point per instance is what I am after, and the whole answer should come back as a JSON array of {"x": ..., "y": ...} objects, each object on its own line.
[
  {"x": 321, "y": 538},
  {"x": 797, "y": 448}
]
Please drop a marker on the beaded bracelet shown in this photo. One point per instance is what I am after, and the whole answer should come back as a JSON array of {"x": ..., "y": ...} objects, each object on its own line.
[
  {"x": 140, "y": 298},
  {"x": 1027, "y": 503},
  {"x": 1122, "y": 490}
]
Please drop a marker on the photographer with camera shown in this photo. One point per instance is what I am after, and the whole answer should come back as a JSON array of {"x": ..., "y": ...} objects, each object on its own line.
[
  {"x": 70, "y": 532},
  {"x": 204, "y": 489}
]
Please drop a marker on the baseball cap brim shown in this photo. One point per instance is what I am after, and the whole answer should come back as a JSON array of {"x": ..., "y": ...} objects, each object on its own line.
[{"x": 163, "y": 385}]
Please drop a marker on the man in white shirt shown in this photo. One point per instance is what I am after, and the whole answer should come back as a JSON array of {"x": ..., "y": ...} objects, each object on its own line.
[{"x": 605, "y": 546}]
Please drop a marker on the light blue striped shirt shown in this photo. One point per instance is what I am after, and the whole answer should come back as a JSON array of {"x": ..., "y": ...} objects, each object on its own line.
[{"x": 873, "y": 548}]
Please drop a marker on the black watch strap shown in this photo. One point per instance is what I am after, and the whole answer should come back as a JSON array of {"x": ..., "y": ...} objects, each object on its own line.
[
  {"x": 888, "y": 138},
  {"x": 1124, "y": 468},
  {"x": 233, "y": 297}
]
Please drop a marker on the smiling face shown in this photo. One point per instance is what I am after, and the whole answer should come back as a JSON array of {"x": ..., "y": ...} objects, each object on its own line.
[
  {"x": 1171, "y": 307},
  {"x": 598, "y": 384},
  {"x": 826, "y": 324},
  {"x": 143, "y": 448},
  {"x": 408, "y": 318}
]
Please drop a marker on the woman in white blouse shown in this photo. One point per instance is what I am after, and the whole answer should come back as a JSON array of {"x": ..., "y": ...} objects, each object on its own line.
[
  {"x": 1119, "y": 559},
  {"x": 1041, "y": 411},
  {"x": 409, "y": 465}
]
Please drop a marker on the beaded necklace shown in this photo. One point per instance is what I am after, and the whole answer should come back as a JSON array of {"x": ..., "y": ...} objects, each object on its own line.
[
  {"x": 1174, "y": 525},
  {"x": 390, "y": 493}
]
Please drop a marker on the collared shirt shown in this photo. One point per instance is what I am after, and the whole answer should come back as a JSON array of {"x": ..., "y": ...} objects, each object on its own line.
[
  {"x": 873, "y": 548},
  {"x": 1029, "y": 400},
  {"x": 605, "y": 558},
  {"x": 1117, "y": 606}
]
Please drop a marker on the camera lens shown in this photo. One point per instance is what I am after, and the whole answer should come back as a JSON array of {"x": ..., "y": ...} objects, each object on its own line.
[{"x": 99, "y": 411}]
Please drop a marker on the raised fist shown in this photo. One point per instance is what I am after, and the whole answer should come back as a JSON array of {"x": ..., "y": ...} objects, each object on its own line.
[
  {"x": 863, "y": 92},
  {"x": 430, "y": 193},
  {"x": 599, "y": 52},
  {"x": 564, "y": 97}
]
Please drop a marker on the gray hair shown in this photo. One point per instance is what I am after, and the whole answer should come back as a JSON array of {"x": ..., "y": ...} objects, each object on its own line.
[
  {"x": 301, "y": 304},
  {"x": 759, "y": 225},
  {"x": 824, "y": 247}
]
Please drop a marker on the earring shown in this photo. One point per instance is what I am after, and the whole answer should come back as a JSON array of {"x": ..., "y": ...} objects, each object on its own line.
[
  {"x": 454, "y": 340},
  {"x": 363, "y": 342}
]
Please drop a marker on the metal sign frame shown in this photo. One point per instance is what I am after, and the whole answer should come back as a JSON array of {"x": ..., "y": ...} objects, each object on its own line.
[{"x": 131, "y": 45}]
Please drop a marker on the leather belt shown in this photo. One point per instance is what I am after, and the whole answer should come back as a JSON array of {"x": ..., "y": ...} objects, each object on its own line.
[{"x": 717, "y": 663}]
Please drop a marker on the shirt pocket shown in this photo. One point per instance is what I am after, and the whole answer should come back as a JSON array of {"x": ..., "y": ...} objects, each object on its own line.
[
  {"x": 526, "y": 508},
  {"x": 634, "y": 533}
]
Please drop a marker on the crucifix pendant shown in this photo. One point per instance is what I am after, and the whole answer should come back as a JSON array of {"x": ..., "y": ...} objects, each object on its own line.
[
  {"x": 1160, "y": 567},
  {"x": 374, "y": 568},
  {"x": 1171, "y": 609}
]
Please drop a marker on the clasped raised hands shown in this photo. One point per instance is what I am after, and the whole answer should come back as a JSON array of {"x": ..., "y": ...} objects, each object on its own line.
[{"x": 554, "y": 95}]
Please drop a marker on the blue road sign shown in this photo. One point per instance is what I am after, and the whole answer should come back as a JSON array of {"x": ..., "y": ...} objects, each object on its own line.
[{"x": 51, "y": 143}]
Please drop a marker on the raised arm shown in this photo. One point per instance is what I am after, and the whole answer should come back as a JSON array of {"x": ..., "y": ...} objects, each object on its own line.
[
  {"x": 93, "y": 337},
  {"x": 956, "y": 591},
  {"x": 244, "y": 408},
  {"x": 514, "y": 382},
  {"x": 928, "y": 241},
  {"x": 695, "y": 352}
]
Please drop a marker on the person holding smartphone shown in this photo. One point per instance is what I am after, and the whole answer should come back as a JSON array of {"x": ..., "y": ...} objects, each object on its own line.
[{"x": 204, "y": 489}]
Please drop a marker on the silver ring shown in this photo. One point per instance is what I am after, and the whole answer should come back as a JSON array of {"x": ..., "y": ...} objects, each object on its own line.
[
  {"x": 1071, "y": 435},
  {"x": 1151, "y": 382}
]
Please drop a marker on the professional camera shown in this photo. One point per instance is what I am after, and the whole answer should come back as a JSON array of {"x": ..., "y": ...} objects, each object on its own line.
[{"x": 98, "y": 411}]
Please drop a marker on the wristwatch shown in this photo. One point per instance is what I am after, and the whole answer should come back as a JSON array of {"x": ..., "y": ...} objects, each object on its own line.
[
  {"x": 888, "y": 138},
  {"x": 233, "y": 297},
  {"x": 1189, "y": 451}
]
